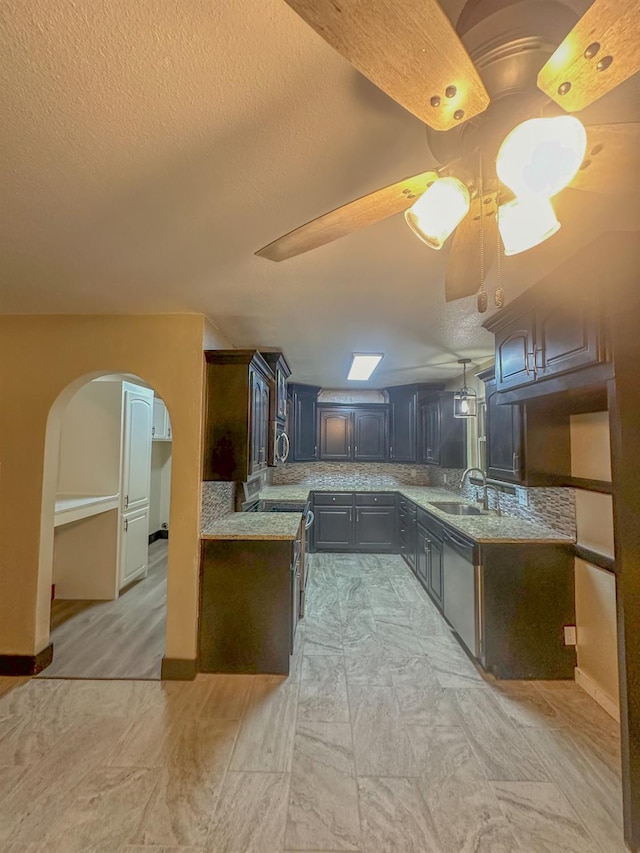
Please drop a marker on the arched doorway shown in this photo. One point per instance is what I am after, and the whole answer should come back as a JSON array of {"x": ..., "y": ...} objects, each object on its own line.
[{"x": 108, "y": 475}]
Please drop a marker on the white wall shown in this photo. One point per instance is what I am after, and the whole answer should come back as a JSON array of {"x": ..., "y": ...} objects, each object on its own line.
[
  {"x": 160, "y": 485},
  {"x": 90, "y": 441},
  {"x": 597, "y": 647}
]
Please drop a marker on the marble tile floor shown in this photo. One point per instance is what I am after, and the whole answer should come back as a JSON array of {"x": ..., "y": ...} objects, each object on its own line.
[{"x": 384, "y": 739}]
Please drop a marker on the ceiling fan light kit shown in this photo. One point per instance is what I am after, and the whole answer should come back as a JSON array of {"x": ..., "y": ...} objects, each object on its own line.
[
  {"x": 525, "y": 223},
  {"x": 526, "y": 53},
  {"x": 437, "y": 213},
  {"x": 541, "y": 156}
]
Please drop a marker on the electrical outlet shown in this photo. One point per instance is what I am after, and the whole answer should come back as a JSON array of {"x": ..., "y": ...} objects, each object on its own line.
[
  {"x": 523, "y": 496},
  {"x": 570, "y": 638}
]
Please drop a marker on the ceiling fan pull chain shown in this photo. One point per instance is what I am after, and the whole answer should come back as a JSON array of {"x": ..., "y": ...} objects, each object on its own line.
[
  {"x": 499, "y": 294},
  {"x": 482, "y": 300}
]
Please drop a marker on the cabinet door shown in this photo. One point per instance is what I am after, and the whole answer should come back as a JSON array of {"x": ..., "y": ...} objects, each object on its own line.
[
  {"x": 333, "y": 528},
  {"x": 136, "y": 457},
  {"x": 422, "y": 556},
  {"x": 436, "y": 575},
  {"x": 281, "y": 394},
  {"x": 160, "y": 420},
  {"x": 431, "y": 432},
  {"x": 258, "y": 422},
  {"x": 134, "y": 546},
  {"x": 514, "y": 353},
  {"x": 567, "y": 338},
  {"x": 402, "y": 426},
  {"x": 305, "y": 442},
  {"x": 504, "y": 439},
  {"x": 370, "y": 435},
  {"x": 375, "y": 529},
  {"x": 335, "y": 434}
]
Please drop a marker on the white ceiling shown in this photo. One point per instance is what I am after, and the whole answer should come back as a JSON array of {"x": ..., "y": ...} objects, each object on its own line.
[{"x": 149, "y": 148}]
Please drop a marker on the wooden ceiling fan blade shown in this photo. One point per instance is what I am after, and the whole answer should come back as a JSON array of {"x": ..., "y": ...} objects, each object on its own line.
[
  {"x": 364, "y": 211},
  {"x": 478, "y": 229},
  {"x": 409, "y": 50},
  {"x": 599, "y": 53},
  {"x": 611, "y": 162}
]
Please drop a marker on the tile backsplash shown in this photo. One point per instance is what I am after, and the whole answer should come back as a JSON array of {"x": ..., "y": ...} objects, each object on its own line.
[
  {"x": 217, "y": 500},
  {"x": 552, "y": 507},
  {"x": 346, "y": 474}
]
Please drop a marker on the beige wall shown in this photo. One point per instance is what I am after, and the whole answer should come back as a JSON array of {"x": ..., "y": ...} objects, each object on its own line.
[{"x": 40, "y": 358}]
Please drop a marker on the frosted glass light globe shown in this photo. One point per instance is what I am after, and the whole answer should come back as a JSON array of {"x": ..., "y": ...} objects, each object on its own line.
[
  {"x": 540, "y": 156},
  {"x": 438, "y": 211}
]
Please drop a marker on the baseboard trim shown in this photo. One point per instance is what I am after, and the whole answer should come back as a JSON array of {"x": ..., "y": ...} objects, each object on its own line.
[
  {"x": 178, "y": 669},
  {"x": 26, "y": 664},
  {"x": 159, "y": 534},
  {"x": 603, "y": 699}
]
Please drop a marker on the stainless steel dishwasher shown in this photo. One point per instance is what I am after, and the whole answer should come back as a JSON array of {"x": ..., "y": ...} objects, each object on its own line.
[{"x": 463, "y": 590}]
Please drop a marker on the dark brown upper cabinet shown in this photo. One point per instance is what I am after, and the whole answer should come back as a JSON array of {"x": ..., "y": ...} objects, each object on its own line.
[
  {"x": 403, "y": 423},
  {"x": 238, "y": 392},
  {"x": 370, "y": 434},
  {"x": 554, "y": 330},
  {"x": 443, "y": 438},
  {"x": 281, "y": 372},
  {"x": 335, "y": 427},
  {"x": 404, "y": 403},
  {"x": 303, "y": 422},
  {"x": 355, "y": 433},
  {"x": 528, "y": 444}
]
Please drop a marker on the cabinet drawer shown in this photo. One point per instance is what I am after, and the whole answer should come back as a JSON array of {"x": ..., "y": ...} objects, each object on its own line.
[
  {"x": 375, "y": 500},
  {"x": 333, "y": 498}
]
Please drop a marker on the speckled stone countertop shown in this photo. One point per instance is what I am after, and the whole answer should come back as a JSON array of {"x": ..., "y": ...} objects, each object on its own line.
[
  {"x": 254, "y": 525},
  {"x": 486, "y": 528}
]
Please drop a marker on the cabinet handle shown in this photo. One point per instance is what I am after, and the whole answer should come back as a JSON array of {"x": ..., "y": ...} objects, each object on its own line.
[
  {"x": 126, "y": 525},
  {"x": 530, "y": 364},
  {"x": 391, "y": 450},
  {"x": 357, "y": 515},
  {"x": 168, "y": 432},
  {"x": 126, "y": 501},
  {"x": 350, "y": 516},
  {"x": 538, "y": 366},
  {"x": 355, "y": 450},
  {"x": 315, "y": 451},
  {"x": 427, "y": 546},
  {"x": 348, "y": 450},
  {"x": 516, "y": 462},
  {"x": 153, "y": 431}
]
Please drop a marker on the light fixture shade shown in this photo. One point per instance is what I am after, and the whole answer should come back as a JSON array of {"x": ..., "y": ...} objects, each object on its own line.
[
  {"x": 540, "y": 156},
  {"x": 465, "y": 403},
  {"x": 438, "y": 211},
  {"x": 363, "y": 364},
  {"x": 524, "y": 224}
]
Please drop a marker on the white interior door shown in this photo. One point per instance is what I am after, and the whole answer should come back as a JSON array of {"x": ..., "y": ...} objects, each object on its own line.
[
  {"x": 134, "y": 546},
  {"x": 136, "y": 460}
]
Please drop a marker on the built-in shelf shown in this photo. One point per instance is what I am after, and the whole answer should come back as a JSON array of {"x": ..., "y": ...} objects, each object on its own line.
[
  {"x": 76, "y": 507},
  {"x": 595, "y": 559}
]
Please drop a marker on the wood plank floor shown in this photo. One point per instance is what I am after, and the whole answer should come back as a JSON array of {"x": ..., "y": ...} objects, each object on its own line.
[
  {"x": 384, "y": 739},
  {"x": 113, "y": 639}
]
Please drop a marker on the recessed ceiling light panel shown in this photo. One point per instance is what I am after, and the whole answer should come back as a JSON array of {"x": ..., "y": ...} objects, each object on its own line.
[{"x": 363, "y": 365}]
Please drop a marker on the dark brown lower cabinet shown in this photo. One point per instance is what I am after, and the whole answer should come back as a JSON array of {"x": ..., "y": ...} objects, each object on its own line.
[
  {"x": 333, "y": 528},
  {"x": 349, "y": 521},
  {"x": 249, "y": 601}
]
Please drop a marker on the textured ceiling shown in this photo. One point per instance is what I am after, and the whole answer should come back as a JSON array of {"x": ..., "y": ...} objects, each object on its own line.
[{"x": 149, "y": 148}]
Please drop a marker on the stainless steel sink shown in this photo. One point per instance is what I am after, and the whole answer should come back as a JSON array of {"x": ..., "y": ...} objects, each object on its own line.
[{"x": 457, "y": 509}]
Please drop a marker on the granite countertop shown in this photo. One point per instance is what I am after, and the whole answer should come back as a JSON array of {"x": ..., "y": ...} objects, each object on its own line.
[
  {"x": 254, "y": 525},
  {"x": 486, "y": 528}
]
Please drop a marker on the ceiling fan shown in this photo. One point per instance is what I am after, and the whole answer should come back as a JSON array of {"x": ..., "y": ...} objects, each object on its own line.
[{"x": 495, "y": 109}]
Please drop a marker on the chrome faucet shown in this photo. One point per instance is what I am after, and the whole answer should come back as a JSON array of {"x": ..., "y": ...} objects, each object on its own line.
[{"x": 485, "y": 499}]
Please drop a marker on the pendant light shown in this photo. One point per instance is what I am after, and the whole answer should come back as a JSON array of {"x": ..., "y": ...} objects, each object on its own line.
[
  {"x": 465, "y": 401},
  {"x": 438, "y": 211}
]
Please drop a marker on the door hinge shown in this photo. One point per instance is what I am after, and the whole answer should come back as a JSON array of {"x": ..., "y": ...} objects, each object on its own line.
[
  {"x": 126, "y": 501},
  {"x": 126, "y": 525}
]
